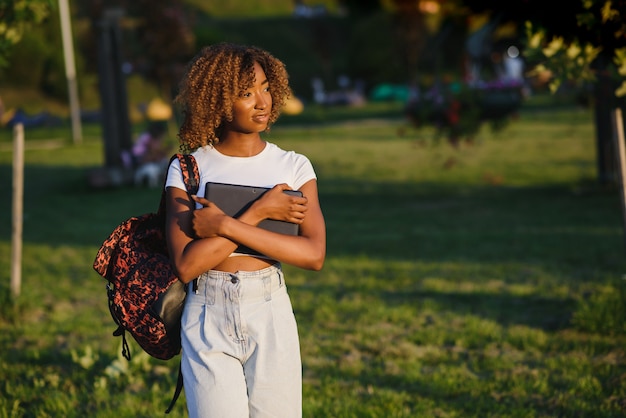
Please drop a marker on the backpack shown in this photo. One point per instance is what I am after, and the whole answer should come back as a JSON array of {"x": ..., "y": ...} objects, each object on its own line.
[{"x": 144, "y": 295}]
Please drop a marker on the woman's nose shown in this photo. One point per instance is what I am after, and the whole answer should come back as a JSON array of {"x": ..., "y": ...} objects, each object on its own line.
[{"x": 261, "y": 101}]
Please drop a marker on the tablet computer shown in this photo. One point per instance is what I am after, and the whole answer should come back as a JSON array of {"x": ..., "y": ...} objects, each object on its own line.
[{"x": 234, "y": 199}]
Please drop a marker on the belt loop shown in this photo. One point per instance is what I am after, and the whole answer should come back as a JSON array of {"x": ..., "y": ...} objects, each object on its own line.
[{"x": 267, "y": 287}]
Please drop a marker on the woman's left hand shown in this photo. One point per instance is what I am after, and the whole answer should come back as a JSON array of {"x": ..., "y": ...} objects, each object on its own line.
[{"x": 207, "y": 221}]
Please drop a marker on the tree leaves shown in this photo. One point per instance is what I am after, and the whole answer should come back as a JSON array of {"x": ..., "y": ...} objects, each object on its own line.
[
  {"x": 16, "y": 16},
  {"x": 573, "y": 60}
]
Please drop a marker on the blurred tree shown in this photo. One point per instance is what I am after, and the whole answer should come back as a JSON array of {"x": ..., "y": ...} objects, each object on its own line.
[
  {"x": 166, "y": 40},
  {"x": 15, "y": 17},
  {"x": 158, "y": 38},
  {"x": 584, "y": 44},
  {"x": 410, "y": 32},
  {"x": 408, "y": 23}
]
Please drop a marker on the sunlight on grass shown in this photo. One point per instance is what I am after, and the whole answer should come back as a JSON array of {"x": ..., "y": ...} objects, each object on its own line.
[{"x": 479, "y": 281}]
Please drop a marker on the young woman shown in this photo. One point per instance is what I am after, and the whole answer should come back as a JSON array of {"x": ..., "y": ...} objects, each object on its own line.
[{"x": 241, "y": 353}]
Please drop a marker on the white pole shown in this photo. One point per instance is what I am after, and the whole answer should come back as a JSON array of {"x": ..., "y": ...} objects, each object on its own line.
[
  {"x": 70, "y": 70},
  {"x": 18, "y": 207},
  {"x": 619, "y": 142}
]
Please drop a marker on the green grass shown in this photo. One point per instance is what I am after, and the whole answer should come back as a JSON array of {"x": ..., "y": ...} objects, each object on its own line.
[{"x": 480, "y": 281}]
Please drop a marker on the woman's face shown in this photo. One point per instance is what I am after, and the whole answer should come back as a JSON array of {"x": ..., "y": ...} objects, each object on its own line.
[{"x": 251, "y": 110}]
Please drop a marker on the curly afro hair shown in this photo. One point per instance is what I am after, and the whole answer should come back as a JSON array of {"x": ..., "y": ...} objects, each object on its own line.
[{"x": 213, "y": 80}]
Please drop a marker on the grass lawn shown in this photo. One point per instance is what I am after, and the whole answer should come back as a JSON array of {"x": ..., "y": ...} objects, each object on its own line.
[{"x": 480, "y": 281}]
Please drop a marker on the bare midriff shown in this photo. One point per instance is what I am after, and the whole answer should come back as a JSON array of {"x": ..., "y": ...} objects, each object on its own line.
[{"x": 243, "y": 263}]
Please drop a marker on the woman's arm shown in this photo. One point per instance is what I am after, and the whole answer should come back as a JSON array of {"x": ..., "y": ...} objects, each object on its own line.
[
  {"x": 190, "y": 256},
  {"x": 307, "y": 250},
  {"x": 195, "y": 248}
]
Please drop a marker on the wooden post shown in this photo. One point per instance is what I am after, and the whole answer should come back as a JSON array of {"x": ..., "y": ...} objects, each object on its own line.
[
  {"x": 18, "y": 198},
  {"x": 70, "y": 70},
  {"x": 620, "y": 145}
]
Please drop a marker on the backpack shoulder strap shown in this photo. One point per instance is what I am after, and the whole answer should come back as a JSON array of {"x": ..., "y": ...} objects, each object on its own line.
[
  {"x": 179, "y": 388},
  {"x": 191, "y": 176}
]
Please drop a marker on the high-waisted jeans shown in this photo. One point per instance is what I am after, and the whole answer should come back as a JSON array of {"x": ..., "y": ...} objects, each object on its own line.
[{"x": 241, "y": 352}]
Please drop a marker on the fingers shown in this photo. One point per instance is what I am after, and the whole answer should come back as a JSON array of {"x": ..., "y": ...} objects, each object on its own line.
[
  {"x": 298, "y": 208},
  {"x": 201, "y": 200},
  {"x": 282, "y": 187},
  {"x": 297, "y": 218},
  {"x": 301, "y": 201},
  {"x": 297, "y": 212}
]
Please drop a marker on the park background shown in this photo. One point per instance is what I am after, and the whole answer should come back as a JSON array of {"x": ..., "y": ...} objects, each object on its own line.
[{"x": 473, "y": 278}]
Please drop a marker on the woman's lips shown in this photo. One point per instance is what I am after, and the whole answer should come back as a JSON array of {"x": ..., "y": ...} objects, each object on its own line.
[{"x": 262, "y": 118}]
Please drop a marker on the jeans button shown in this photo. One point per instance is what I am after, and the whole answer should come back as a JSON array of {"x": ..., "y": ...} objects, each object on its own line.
[{"x": 234, "y": 280}]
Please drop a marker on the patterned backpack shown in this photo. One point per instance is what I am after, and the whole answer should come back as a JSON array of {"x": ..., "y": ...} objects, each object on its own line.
[{"x": 145, "y": 296}]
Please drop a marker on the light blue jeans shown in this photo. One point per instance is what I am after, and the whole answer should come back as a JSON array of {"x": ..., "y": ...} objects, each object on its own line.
[{"x": 241, "y": 352}]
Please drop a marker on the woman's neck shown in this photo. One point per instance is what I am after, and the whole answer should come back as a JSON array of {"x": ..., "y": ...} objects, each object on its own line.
[{"x": 240, "y": 145}]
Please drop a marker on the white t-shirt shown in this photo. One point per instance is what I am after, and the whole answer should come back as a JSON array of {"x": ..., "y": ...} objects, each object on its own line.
[{"x": 270, "y": 167}]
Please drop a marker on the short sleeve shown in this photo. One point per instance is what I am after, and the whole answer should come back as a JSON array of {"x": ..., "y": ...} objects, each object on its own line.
[
  {"x": 303, "y": 171},
  {"x": 175, "y": 176}
]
